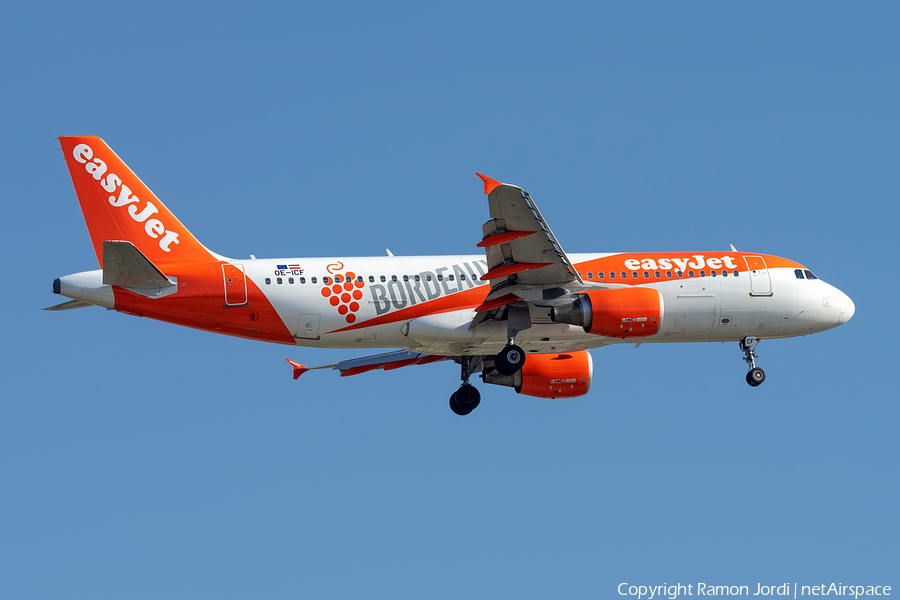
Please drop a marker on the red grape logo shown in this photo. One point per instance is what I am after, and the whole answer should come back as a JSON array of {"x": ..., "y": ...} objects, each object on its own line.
[{"x": 344, "y": 292}]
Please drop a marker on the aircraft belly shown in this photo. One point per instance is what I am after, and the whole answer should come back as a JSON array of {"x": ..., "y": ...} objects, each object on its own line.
[{"x": 450, "y": 333}]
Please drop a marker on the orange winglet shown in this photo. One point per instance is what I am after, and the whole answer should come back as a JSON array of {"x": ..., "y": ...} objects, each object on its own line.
[
  {"x": 298, "y": 368},
  {"x": 497, "y": 302},
  {"x": 504, "y": 270},
  {"x": 502, "y": 238},
  {"x": 489, "y": 184}
]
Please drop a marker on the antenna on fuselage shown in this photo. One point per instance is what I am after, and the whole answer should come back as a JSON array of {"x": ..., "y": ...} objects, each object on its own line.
[
  {"x": 733, "y": 249},
  {"x": 389, "y": 252}
]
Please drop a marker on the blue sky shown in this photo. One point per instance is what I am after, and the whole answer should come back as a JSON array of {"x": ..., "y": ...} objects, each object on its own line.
[{"x": 141, "y": 460}]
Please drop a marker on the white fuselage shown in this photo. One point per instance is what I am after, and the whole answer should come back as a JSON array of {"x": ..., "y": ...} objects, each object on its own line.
[{"x": 695, "y": 309}]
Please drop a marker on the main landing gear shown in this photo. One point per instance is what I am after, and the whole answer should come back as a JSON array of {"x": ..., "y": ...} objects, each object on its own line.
[
  {"x": 755, "y": 375},
  {"x": 509, "y": 360},
  {"x": 466, "y": 398}
]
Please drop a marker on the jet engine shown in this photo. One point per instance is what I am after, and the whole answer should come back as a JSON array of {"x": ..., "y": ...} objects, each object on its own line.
[
  {"x": 617, "y": 313},
  {"x": 565, "y": 375}
]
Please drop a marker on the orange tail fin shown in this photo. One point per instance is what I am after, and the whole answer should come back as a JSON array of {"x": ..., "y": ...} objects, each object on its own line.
[{"x": 118, "y": 206}]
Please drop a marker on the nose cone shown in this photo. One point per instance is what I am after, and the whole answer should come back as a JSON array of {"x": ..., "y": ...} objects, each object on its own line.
[{"x": 847, "y": 307}]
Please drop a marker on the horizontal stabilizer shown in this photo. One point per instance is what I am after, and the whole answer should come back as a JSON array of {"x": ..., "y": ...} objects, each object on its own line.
[
  {"x": 69, "y": 305},
  {"x": 125, "y": 266}
]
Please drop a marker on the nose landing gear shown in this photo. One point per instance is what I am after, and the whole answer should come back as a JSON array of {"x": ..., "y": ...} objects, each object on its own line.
[
  {"x": 755, "y": 375},
  {"x": 467, "y": 397}
]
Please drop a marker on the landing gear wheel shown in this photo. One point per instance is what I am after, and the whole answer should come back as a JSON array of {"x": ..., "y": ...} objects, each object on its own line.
[
  {"x": 756, "y": 376},
  {"x": 465, "y": 400},
  {"x": 455, "y": 407},
  {"x": 509, "y": 360}
]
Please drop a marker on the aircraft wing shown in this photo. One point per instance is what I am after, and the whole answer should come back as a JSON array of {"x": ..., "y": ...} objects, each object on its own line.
[
  {"x": 387, "y": 361},
  {"x": 518, "y": 241},
  {"x": 526, "y": 263}
]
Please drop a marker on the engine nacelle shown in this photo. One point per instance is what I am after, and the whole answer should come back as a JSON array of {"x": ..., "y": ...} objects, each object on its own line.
[
  {"x": 618, "y": 313},
  {"x": 565, "y": 375}
]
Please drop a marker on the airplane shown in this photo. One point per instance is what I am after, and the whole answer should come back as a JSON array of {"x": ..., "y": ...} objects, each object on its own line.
[{"x": 523, "y": 314}]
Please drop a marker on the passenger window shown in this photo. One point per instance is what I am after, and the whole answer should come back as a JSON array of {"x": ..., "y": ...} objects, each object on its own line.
[
  {"x": 303, "y": 280},
  {"x": 450, "y": 277},
  {"x": 702, "y": 273},
  {"x": 798, "y": 273},
  {"x": 371, "y": 279},
  {"x": 612, "y": 275},
  {"x": 658, "y": 275},
  {"x": 646, "y": 275},
  {"x": 338, "y": 279},
  {"x": 590, "y": 275},
  {"x": 428, "y": 278},
  {"x": 462, "y": 277},
  {"x": 268, "y": 281},
  {"x": 291, "y": 280},
  {"x": 735, "y": 272},
  {"x": 668, "y": 273},
  {"x": 406, "y": 278},
  {"x": 713, "y": 273},
  {"x": 624, "y": 275},
  {"x": 600, "y": 274},
  {"x": 724, "y": 273},
  {"x": 313, "y": 280},
  {"x": 326, "y": 281},
  {"x": 416, "y": 277},
  {"x": 690, "y": 273},
  {"x": 809, "y": 275},
  {"x": 634, "y": 274},
  {"x": 678, "y": 273},
  {"x": 440, "y": 277},
  {"x": 383, "y": 279},
  {"x": 278, "y": 281},
  {"x": 360, "y": 279},
  {"x": 393, "y": 278}
]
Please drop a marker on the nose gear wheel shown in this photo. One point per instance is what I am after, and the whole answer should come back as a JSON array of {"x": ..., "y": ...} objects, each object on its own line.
[{"x": 755, "y": 375}]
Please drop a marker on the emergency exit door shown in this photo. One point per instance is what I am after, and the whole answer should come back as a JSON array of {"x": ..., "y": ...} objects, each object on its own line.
[{"x": 235, "y": 285}]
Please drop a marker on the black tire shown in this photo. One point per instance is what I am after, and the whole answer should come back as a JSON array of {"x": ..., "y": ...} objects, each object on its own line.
[
  {"x": 455, "y": 407},
  {"x": 465, "y": 400},
  {"x": 509, "y": 360},
  {"x": 756, "y": 376},
  {"x": 468, "y": 398}
]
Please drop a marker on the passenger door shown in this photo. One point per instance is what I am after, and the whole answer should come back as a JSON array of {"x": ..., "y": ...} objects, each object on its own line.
[
  {"x": 760, "y": 282},
  {"x": 235, "y": 285}
]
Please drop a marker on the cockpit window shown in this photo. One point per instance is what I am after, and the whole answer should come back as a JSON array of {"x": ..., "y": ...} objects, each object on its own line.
[
  {"x": 798, "y": 273},
  {"x": 809, "y": 274}
]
